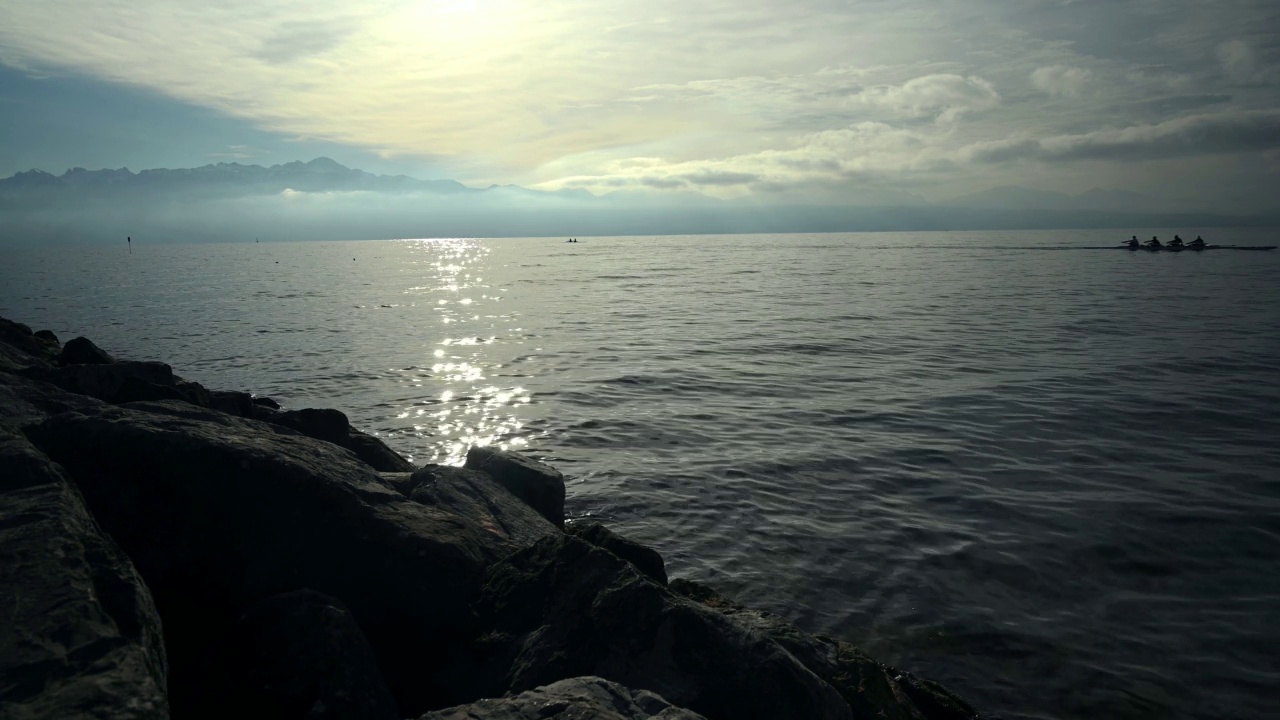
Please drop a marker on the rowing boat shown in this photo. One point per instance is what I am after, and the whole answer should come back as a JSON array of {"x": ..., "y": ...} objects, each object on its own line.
[{"x": 1195, "y": 248}]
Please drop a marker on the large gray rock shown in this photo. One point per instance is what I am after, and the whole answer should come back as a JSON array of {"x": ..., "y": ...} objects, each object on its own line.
[
  {"x": 115, "y": 382},
  {"x": 332, "y": 426},
  {"x": 218, "y": 512},
  {"x": 539, "y": 485},
  {"x": 476, "y": 495},
  {"x": 20, "y": 348},
  {"x": 82, "y": 351},
  {"x": 232, "y": 402},
  {"x": 14, "y": 360},
  {"x": 375, "y": 452},
  {"x": 24, "y": 401},
  {"x": 320, "y": 423},
  {"x": 80, "y": 636},
  {"x": 565, "y": 608},
  {"x": 872, "y": 689},
  {"x": 296, "y": 656},
  {"x": 583, "y": 698},
  {"x": 645, "y": 559}
]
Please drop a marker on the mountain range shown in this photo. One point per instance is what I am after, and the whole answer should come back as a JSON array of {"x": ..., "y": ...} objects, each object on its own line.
[
  {"x": 325, "y": 175},
  {"x": 317, "y": 200},
  {"x": 319, "y": 175}
]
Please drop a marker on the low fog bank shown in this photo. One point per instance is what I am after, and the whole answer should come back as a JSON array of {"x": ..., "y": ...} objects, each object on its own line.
[{"x": 502, "y": 212}]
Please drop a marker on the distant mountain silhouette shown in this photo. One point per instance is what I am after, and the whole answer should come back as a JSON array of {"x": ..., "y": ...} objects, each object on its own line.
[
  {"x": 320, "y": 175},
  {"x": 230, "y": 201}
]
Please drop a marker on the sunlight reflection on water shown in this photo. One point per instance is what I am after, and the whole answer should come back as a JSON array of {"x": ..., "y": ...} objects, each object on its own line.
[{"x": 469, "y": 410}]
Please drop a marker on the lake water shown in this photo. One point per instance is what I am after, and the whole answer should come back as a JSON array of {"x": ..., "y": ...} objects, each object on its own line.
[{"x": 1048, "y": 478}]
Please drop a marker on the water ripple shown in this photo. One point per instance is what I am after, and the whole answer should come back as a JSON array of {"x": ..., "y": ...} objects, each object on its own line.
[{"x": 989, "y": 465}]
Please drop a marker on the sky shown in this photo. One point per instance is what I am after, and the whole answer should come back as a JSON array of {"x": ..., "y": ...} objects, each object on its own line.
[{"x": 778, "y": 101}]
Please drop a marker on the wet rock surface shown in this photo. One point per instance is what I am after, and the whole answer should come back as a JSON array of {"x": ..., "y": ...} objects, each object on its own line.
[
  {"x": 645, "y": 559},
  {"x": 173, "y": 551},
  {"x": 539, "y": 485},
  {"x": 872, "y": 689},
  {"x": 572, "y": 699},
  {"x": 566, "y": 608}
]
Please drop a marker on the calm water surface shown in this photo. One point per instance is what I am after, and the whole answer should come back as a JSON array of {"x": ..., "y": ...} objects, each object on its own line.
[{"x": 1048, "y": 478}]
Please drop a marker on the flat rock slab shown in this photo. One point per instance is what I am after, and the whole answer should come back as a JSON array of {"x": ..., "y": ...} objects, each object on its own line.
[
  {"x": 81, "y": 637},
  {"x": 583, "y": 698}
]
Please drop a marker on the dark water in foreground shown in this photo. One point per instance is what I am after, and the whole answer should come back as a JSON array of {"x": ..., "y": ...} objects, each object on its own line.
[{"x": 1049, "y": 479}]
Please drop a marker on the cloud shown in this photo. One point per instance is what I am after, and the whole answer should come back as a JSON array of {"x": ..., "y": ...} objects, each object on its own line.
[
  {"x": 946, "y": 96},
  {"x": 1060, "y": 81},
  {"x": 1206, "y": 134},
  {"x": 722, "y": 96},
  {"x": 238, "y": 152},
  {"x": 865, "y": 155},
  {"x": 1240, "y": 64},
  {"x": 292, "y": 41}
]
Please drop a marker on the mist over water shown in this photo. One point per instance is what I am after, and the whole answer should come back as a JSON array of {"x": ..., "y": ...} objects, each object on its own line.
[{"x": 1048, "y": 478}]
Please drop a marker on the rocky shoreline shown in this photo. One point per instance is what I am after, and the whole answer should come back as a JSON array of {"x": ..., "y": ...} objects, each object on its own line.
[{"x": 171, "y": 551}]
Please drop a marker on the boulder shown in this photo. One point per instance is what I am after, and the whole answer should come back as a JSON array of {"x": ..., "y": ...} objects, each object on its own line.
[
  {"x": 645, "y": 559},
  {"x": 299, "y": 655},
  {"x": 24, "y": 401},
  {"x": 266, "y": 402},
  {"x": 472, "y": 494},
  {"x": 320, "y": 423},
  {"x": 541, "y": 486},
  {"x": 19, "y": 347},
  {"x": 193, "y": 392},
  {"x": 82, "y": 351},
  {"x": 564, "y": 608},
  {"x": 332, "y": 426},
  {"x": 239, "y": 404},
  {"x": 375, "y": 452},
  {"x": 872, "y": 689},
  {"x": 81, "y": 637},
  {"x": 47, "y": 336},
  {"x": 573, "y": 699},
  {"x": 14, "y": 360},
  {"x": 218, "y": 513},
  {"x": 12, "y": 332},
  {"x": 117, "y": 382}
]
